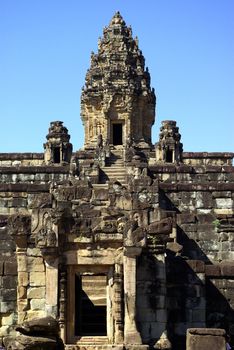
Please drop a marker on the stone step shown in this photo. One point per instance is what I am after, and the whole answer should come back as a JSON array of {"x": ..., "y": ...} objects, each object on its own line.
[
  {"x": 94, "y": 346},
  {"x": 115, "y": 174},
  {"x": 100, "y": 185},
  {"x": 89, "y": 343},
  {"x": 115, "y": 163},
  {"x": 119, "y": 172}
]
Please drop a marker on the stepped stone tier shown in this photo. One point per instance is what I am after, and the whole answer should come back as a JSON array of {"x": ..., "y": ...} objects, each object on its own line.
[{"x": 125, "y": 243}]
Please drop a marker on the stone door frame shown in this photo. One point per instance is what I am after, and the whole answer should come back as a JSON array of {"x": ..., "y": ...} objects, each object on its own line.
[{"x": 72, "y": 270}]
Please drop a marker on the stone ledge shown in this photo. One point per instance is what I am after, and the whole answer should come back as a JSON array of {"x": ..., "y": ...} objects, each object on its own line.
[
  {"x": 190, "y": 169},
  {"x": 56, "y": 169},
  {"x": 206, "y": 186},
  {"x": 84, "y": 346},
  {"x": 21, "y": 156},
  {"x": 224, "y": 269},
  {"x": 203, "y": 155},
  {"x": 207, "y": 331},
  {"x": 24, "y": 187}
]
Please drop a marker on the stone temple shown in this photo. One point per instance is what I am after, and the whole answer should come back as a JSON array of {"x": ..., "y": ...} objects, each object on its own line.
[{"x": 128, "y": 244}]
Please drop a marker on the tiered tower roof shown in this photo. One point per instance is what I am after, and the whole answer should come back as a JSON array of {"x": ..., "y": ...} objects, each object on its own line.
[{"x": 118, "y": 83}]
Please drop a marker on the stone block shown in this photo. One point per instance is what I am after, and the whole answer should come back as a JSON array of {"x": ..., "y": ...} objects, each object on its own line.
[
  {"x": 22, "y": 263},
  {"x": 22, "y": 342},
  {"x": 37, "y": 279},
  {"x": 161, "y": 316},
  {"x": 22, "y": 305},
  {"x": 223, "y": 194},
  {"x": 9, "y": 282},
  {"x": 186, "y": 218},
  {"x": 7, "y": 306},
  {"x": 147, "y": 315},
  {"x": 35, "y": 264},
  {"x": 224, "y": 203},
  {"x": 157, "y": 328},
  {"x": 160, "y": 301},
  {"x": 21, "y": 292},
  {"x": 205, "y": 218},
  {"x": 100, "y": 194},
  {"x": 9, "y": 294},
  {"x": 1, "y": 268},
  {"x": 212, "y": 270},
  {"x": 227, "y": 268},
  {"x": 223, "y": 212},
  {"x": 36, "y": 293},
  {"x": 131, "y": 346},
  {"x": 205, "y": 338},
  {"x": 4, "y": 331},
  {"x": 204, "y": 200},
  {"x": 10, "y": 268},
  {"x": 22, "y": 315},
  {"x": 37, "y": 304},
  {"x": 33, "y": 252},
  {"x": 199, "y": 315},
  {"x": 8, "y": 320},
  {"x": 83, "y": 192},
  {"x": 23, "y": 279},
  {"x": 32, "y": 314}
]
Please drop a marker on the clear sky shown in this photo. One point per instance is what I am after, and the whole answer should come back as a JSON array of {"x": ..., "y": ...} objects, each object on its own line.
[{"x": 45, "y": 52}]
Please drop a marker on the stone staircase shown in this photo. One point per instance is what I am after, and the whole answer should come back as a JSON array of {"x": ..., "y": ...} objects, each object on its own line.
[
  {"x": 91, "y": 343},
  {"x": 114, "y": 169}
]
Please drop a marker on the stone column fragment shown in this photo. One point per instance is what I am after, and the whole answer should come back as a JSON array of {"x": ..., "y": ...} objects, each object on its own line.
[{"x": 131, "y": 334}]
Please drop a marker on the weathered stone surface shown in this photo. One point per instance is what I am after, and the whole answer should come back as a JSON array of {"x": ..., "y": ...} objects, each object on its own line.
[
  {"x": 23, "y": 342},
  {"x": 37, "y": 279},
  {"x": 36, "y": 293},
  {"x": 204, "y": 338},
  {"x": 44, "y": 326}
]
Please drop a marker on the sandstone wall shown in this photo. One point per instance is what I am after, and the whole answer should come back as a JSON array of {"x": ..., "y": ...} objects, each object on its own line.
[
  {"x": 198, "y": 339},
  {"x": 21, "y": 159}
]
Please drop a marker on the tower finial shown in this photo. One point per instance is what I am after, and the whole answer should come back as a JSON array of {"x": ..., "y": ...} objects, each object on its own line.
[{"x": 117, "y": 19}]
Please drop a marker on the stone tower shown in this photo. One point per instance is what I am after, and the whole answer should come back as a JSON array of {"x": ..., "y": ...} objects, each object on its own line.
[
  {"x": 58, "y": 149},
  {"x": 117, "y": 101},
  {"x": 169, "y": 148}
]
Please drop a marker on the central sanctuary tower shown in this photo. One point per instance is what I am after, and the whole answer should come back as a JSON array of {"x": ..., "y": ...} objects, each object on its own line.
[{"x": 117, "y": 101}]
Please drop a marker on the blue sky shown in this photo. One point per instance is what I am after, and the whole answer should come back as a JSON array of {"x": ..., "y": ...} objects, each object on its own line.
[{"x": 45, "y": 52}]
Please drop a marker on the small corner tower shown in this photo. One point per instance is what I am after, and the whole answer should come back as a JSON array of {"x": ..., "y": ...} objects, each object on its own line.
[
  {"x": 117, "y": 101},
  {"x": 169, "y": 148},
  {"x": 58, "y": 149}
]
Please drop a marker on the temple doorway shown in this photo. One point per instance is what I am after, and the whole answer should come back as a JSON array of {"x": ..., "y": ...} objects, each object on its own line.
[
  {"x": 57, "y": 155},
  {"x": 169, "y": 156},
  {"x": 88, "y": 308},
  {"x": 117, "y": 132},
  {"x": 90, "y": 305}
]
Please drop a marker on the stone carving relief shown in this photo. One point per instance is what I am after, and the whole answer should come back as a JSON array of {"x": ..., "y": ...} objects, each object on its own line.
[
  {"x": 19, "y": 227},
  {"x": 133, "y": 234}
]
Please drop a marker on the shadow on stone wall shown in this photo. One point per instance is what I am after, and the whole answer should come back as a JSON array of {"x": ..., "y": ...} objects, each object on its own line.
[{"x": 200, "y": 294}]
